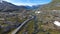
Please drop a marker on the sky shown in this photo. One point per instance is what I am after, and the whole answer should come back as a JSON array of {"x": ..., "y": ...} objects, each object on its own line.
[{"x": 28, "y": 2}]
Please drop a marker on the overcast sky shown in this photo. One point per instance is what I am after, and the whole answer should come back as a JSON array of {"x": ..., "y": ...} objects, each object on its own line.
[{"x": 29, "y": 2}]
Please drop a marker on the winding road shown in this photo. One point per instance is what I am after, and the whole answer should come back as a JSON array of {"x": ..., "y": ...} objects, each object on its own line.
[{"x": 24, "y": 23}]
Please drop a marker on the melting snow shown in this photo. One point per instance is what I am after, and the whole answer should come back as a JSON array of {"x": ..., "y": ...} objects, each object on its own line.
[
  {"x": 38, "y": 12},
  {"x": 57, "y": 23}
]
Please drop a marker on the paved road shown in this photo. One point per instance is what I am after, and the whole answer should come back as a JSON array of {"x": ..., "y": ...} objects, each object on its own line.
[{"x": 17, "y": 29}]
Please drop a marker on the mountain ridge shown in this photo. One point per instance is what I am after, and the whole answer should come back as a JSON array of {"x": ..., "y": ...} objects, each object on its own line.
[{"x": 9, "y": 7}]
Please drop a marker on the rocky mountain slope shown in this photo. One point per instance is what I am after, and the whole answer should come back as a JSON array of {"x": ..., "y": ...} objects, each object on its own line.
[
  {"x": 54, "y": 5},
  {"x": 9, "y": 7}
]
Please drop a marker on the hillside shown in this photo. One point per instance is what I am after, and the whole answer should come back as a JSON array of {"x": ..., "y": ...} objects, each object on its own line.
[
  {"x": 55, "y": 4},
  {"x": 9, "y": 7}
]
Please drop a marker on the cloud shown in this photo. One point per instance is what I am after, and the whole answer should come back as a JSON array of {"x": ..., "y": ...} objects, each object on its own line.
[
  {"x": 6, "y": 0},
  {"x": 25, "y": 4},
  {"x": 20, "y": 3},
  {"x": 28, "y": 2}
]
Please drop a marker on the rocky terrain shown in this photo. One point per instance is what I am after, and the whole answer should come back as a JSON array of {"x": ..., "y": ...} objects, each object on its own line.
[{"x": 11, "y": 16}]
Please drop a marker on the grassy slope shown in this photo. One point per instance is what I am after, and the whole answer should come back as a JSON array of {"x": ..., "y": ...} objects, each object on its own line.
[
  {"x": 51, "y": 5},
  {"x": 29, "y": 28},
  {"x": 47, "y": 7}
]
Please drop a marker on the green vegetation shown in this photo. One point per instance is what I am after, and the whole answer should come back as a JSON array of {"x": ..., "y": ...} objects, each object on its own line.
[
  {"x": 52, "y": 5},
  {"x": 29, "y": 28},
  {"x": 45, "y": 20}
]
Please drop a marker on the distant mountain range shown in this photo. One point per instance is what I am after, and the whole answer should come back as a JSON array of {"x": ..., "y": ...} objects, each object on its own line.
[{"x": 9, "y": 7}]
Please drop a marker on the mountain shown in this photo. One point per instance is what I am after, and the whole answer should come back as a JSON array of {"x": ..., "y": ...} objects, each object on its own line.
[
  {"x": 9, "y": 7},
  {"x": 54, "y": 5},
  {"x": 6, "y": 6}
]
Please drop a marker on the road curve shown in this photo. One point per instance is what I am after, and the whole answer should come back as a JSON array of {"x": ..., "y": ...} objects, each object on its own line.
[{"x": 17, "y": 29}]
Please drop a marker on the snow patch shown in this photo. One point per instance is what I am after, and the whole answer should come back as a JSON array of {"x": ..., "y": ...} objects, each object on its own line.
[{"x": 57, "y": 23}]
